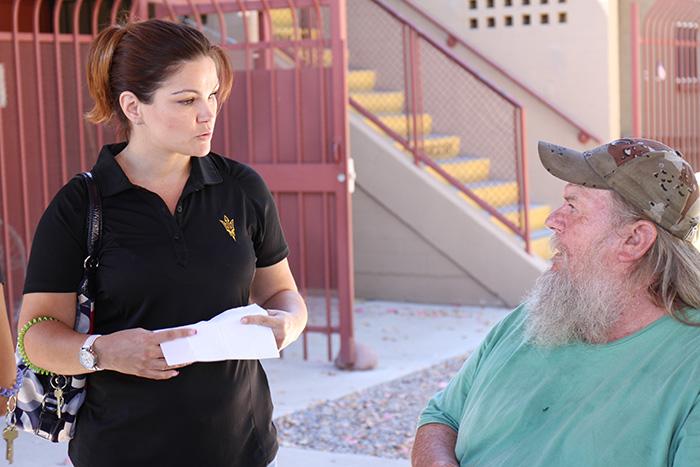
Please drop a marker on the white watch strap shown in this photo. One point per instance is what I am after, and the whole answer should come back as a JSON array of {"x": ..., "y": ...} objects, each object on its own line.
[{"x": 89, "y": 341}]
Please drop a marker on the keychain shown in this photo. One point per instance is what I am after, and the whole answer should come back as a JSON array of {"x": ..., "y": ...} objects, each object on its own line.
[{"x": 9, "y": 434}]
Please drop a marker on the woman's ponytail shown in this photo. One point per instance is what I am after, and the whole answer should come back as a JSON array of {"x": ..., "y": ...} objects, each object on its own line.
[{"x": 98, "y": 73}]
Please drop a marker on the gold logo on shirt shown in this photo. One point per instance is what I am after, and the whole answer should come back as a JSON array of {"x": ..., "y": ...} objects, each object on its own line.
[{"x": 228, "y": 225}]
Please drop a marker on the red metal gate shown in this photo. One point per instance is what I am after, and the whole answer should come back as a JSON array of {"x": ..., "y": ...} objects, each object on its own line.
[
  {"x": 666, "y": 79},
  {"x": 286, "y": 117}
]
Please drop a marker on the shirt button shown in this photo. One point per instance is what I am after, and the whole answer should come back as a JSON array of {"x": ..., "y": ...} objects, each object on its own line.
[
  {"x": 177, "y": 236},
  {"x": 179, "y": 208}
]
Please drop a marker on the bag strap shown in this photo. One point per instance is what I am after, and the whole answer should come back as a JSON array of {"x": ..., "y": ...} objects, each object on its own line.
[
  {"x": 85, "y": 312},
  {"x": 94, "y": 220}
]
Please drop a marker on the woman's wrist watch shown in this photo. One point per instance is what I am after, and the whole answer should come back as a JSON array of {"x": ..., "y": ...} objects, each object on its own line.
[{"x": 87, "y": 356}]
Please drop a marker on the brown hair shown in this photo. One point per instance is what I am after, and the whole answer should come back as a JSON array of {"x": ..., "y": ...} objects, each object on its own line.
[{"x": 139, "y": 57}]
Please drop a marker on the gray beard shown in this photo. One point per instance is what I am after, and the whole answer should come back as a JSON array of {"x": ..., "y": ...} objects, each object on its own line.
[{"x": 564, "y": 310}]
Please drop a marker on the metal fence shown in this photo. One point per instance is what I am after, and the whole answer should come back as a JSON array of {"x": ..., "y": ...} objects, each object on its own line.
[
  {"x": 439, "y": 111},
  {"x": 286, "y": 117},
  {"x": 666, "y": 76}
]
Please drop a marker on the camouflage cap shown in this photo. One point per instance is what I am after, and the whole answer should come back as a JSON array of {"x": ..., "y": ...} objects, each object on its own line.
[{"x": 647, "y": 174}]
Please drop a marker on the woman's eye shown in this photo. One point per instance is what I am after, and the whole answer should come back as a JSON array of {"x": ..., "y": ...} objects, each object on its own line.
[
  {"x": 187, "y": 101},
  {"x": 213, "y": 94}
]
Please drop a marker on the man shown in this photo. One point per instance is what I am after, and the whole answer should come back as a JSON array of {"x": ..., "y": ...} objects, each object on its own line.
[{"x": 601, "y": 364}]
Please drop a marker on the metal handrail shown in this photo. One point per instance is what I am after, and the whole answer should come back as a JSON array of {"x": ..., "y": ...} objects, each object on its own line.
[
  {"x": 447, "y": 53},
  {"x": 420, "y": 155},
  {"x": 453, "y": 39}
]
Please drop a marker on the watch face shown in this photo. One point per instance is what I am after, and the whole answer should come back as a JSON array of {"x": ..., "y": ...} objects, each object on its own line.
[{"x": 87, "y": 359}]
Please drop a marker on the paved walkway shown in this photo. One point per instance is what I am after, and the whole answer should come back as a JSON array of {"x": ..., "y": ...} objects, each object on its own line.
[{"x": 406, "y": 338}]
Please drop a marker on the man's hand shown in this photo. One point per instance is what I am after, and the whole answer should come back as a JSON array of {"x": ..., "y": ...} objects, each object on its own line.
[{"x": 434, "y": 446}]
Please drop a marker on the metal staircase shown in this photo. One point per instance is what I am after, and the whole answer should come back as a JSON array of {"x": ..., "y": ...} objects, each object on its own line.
[{"x": 479, "y": 178}]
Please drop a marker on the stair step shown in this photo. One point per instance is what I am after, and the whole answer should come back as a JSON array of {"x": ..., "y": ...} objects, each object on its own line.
[
  {"x": 400, "y": 124},
  {"x": 539, "y": 244},
  {"x": 440, "y": 147},
  {"x": 288, "y": 33},
  {"x": 539, "y": 234},
  {"x": 380, "y": 101},
  {"x": 361, "y": 80},
  {"x": 466, "y": 169},
  {"x": 537, "y": 214},
  {"x": 497, "y": 193},
  {"x": 281, "y": 17},
  {"x": 310, "y": 57}
]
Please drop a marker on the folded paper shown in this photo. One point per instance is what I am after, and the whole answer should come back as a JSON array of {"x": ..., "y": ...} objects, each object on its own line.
[{"x": 223, "y": 337}]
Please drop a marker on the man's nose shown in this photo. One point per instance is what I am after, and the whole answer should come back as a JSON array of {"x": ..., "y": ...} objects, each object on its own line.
[{"x": 554, "y": 221}]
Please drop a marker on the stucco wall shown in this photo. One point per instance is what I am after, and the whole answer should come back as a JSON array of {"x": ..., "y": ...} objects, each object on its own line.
[
  {"x": 571, "y": 63},
  {"x": 394, "y": 261}
]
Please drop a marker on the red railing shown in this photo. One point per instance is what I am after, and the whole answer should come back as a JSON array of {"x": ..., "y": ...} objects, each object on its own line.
[
  {"x": 440, "y": 91},
  {"x": 666, "y": 75},
  {"x": 289, "y": 123}
]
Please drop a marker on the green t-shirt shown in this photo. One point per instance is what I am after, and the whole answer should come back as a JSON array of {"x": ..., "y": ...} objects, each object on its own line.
[{"x": 631, "y": 402}]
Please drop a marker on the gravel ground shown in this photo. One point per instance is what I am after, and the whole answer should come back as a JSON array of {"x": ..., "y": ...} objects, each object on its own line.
[{"x": 379, "y": 421}]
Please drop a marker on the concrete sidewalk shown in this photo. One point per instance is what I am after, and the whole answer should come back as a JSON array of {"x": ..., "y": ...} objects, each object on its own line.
[{"x": 406, "y": 338}]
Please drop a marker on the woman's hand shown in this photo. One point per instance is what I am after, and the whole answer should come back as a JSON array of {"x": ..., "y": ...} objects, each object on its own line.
[
  {"x": 274, "y": 289},
  {"x": 137, "y": 352},
  {"x": 285, "y": 326}
]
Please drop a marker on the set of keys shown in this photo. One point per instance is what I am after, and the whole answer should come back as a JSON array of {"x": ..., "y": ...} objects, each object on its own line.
[
  {"x": 9, "y": 434},
  {"x": 58, "y": 383}
]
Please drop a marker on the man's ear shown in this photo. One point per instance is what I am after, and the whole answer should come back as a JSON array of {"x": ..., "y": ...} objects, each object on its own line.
[
  {"x": 638, "y": 237},
  {"x": 131, "y": 106}
]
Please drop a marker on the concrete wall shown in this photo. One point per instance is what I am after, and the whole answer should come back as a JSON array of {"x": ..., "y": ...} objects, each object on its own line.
[
  {"x": 394, "y": 261},
  {"x": 572, "y": 63}
]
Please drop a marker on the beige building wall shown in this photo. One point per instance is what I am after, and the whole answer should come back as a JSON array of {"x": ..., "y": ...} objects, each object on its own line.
[
  {"x": 571, "y": 59},
  {"x": 394, "y": 260}
]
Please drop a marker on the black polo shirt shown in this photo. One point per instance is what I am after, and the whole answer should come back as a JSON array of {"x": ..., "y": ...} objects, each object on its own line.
[{"x": 160, "y": 270}]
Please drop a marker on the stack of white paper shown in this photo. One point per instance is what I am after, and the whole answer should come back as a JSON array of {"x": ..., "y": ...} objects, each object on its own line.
[{"x": 223, "y": 337}]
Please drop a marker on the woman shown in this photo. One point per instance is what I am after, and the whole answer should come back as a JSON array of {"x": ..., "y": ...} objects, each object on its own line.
[
  {"x": 186, "y": 235},
  {"x": 8, "y": 370}
]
